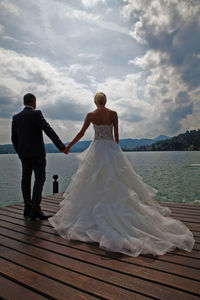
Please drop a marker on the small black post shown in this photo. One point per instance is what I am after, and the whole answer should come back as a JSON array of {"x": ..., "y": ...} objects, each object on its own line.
[{"x": 55, "y": 184}]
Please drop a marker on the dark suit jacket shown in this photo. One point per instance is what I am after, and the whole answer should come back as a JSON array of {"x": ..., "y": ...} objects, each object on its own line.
[{"x": 27, "y": 137}]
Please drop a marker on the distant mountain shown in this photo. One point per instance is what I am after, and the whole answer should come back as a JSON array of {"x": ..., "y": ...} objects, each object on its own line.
[
  {"x": 130, "y": 144},
  {"x": 190, "y": 140},
  {"x": 161, "y": 138},
  {"x": 125, "y": 144}
]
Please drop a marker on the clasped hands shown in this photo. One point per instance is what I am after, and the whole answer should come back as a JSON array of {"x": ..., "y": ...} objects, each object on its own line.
[{"x": 66, "y": 150}]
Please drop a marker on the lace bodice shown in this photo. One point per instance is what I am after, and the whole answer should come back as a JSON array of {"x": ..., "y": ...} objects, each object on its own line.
[{"x": 103, "y": 132}]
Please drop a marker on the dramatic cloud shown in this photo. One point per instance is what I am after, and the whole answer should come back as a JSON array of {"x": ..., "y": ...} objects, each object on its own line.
[
  {"x": 21, "y": 73},
  {"x": 171, "y": 66},
  {"x": 8, "y": 104},
  {"x": 89, "y": 3},
  {"x": 53, "y": 88},
  {"x": 144, "y": 54}
]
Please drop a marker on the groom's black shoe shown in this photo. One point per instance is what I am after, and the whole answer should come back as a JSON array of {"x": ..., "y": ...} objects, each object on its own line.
[{"x": 39, "y": 215}]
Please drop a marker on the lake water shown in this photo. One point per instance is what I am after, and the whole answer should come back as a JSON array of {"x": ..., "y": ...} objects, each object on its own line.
[{"x": 169, "y": 172}]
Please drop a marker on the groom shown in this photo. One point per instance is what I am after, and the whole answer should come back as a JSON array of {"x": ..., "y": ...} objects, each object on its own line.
[{"x": 27, "y": 139}]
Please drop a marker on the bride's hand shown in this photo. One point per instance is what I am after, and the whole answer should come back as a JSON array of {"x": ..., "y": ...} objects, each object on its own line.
[{"x": 67, "y": 149}]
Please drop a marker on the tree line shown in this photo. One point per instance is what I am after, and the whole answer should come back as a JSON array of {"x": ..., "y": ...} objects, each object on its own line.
[{"x": 190, "y": 140}]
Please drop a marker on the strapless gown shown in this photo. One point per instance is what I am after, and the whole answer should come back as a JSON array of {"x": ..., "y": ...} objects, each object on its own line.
[{"x": 107, "y": 202}]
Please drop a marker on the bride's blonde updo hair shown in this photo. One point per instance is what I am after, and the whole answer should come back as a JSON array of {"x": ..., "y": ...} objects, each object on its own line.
[{"x": 100, "y": 98}]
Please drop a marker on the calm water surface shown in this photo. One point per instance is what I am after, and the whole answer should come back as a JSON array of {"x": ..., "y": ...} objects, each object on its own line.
[{"x": 169, "y": 172}]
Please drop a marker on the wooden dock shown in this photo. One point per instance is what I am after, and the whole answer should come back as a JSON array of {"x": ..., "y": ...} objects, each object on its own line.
[{"x": 36, "y": 263}]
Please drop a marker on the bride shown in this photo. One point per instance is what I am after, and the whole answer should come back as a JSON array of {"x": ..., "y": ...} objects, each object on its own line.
[{"x": 107, "y": 201}]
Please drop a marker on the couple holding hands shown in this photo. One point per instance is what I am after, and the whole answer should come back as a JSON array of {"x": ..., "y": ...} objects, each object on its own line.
[{"x": 106, "y": 201}]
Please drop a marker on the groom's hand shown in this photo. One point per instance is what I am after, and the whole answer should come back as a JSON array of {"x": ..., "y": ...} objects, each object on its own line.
[{"x": 66, "y": 150}]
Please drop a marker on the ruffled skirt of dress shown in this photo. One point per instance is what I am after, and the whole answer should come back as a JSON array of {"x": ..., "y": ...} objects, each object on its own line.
[{"x": 107, "y": 202}]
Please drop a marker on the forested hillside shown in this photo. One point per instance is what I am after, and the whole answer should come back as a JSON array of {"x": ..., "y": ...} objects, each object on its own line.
[{"x": 190, "y": 140}]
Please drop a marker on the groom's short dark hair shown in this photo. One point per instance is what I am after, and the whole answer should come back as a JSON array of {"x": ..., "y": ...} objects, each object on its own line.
[{"x": 29, "y": 99}]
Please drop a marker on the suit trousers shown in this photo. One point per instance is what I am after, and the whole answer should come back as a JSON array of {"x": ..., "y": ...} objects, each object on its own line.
[{"x": 38, "y": 166}]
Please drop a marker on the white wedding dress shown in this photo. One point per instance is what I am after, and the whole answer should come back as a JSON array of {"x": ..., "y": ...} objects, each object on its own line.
[{"x": 107, "y": 202}]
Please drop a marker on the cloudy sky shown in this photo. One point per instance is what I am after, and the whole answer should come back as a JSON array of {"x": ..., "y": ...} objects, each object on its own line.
[{"x": 144, "y": 54}]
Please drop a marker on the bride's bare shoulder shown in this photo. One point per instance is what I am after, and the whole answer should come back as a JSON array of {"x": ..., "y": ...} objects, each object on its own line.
[
  {"x": 92, "y": 112},
  {"x": 112, "y": 111}
]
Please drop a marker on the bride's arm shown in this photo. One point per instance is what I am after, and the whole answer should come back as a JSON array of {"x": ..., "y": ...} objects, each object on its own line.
[
  {"x": 80, "y": 134},
  {"x": 115, "y": 123}
]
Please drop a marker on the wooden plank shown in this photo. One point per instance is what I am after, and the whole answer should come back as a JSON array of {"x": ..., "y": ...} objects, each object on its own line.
[
  {"x": 188, "y": 259},
  {"x": 12, "y": 211},
  {"x": 29, "y": 244},
  {"x": 55, "y": 207},
  {"x": 90, "y": 285},
  {"x": 30, "y": 229},
  {"x": 18, "y": 211},
  {"x": 187, "y": 212},
  {"x": 193, "y": 254},
  {"x": 147, "y": 262},
  {"x": 52, "y": 200},
  {"x": 174, "y": 204},
  {"x": 19, "y": 214},
  {"x": 54, "y": 196},
  {"x": 135, "y": 268},
  {"x": 194, "y": 222},
  {"x": 185, "y": 209},
  {"x": 12, "y": 290},
  {"x": 175, "y": 210},
  {"x": 186, "y": 218},
  {"x": 193, "y": 225},
  {"x": 51, "y": 289},
  {"x": 49, "y": 204},
  {"x": 194, "y": 217},
  {"x": 101, "y": 273}
]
